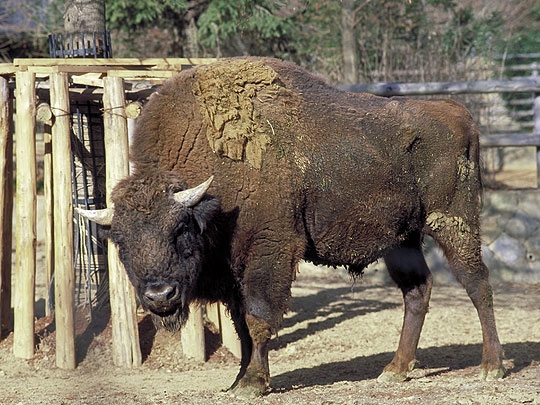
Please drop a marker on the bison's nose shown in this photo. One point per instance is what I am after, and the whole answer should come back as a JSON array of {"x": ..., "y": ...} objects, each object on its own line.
[{"x": 162, "y": 293}]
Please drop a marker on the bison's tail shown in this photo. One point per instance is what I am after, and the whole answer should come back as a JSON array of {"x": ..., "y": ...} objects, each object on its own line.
[{"x": 474, "y": 156}]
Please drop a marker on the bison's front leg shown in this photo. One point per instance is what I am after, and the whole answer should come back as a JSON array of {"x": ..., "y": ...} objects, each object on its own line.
[
  {"x": 254, "y": 380},
  {"x": 270, "y": 266}
]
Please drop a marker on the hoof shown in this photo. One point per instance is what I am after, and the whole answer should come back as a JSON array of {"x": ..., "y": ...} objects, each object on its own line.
[
  {"x": 246, "y": 392},
  {"x": 391, "y": 377},
  {"x": 391, "y": 374},
  {"x": 492, "y": 375},
  {"x": 249, "y": 387}
]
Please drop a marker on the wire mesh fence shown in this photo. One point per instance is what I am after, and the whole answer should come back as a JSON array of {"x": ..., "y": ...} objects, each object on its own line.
[
  {"x": 82, "y": 45},
  {"x": 88, "y": 164}
]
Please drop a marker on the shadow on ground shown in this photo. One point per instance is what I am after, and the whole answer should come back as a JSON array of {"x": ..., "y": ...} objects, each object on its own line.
[
  {"x": 331, "y": 306},
  {"x": 442, "y": 359}
]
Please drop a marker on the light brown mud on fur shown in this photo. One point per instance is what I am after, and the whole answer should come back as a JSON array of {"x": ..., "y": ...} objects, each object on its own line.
[
  {"x": 438, "y": 220},
  {"x": 225, "y": 94},
  {"x": 454, "y": 227},
  {"x": 466, "y": 167},
  {"x": 259, "y": 330}
]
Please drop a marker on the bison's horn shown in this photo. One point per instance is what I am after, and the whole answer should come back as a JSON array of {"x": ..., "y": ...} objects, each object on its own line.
[
  {"x": 102, "y": 217},
  {"x": 192, "y": 196}
]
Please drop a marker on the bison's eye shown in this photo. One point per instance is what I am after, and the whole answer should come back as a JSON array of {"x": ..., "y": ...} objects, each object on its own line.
[
  {"x": 187, "y": 252},
  {"x": 182, "y": 241},
  {"x": 182, "y": 230}
]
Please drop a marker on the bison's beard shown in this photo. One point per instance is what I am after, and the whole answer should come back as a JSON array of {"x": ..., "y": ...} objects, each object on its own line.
[{"x": 172, "y": 321}]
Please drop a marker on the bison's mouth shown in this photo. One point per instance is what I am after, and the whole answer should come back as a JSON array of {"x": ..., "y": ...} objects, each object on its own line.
[
  {"x": 172, "y": 320},
  {"x": 167, "y": 301}
]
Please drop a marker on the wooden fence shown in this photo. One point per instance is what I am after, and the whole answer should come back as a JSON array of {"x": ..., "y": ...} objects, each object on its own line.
[
  {"x": 50, "y": 80},
  {"x": 117, "y": 82}
]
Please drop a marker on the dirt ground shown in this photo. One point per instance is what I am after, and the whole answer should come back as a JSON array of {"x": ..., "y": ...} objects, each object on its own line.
[{"x": 334, "y": 342}]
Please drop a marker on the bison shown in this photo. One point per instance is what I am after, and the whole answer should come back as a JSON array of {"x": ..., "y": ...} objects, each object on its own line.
[{"x": 284, "y": 167}]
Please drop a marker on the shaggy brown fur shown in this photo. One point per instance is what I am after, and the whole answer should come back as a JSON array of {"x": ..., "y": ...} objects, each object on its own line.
[{"x": 302, "y": 171}]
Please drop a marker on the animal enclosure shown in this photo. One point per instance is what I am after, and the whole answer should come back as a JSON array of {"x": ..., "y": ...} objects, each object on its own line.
[{"x": 42, "y": 91}]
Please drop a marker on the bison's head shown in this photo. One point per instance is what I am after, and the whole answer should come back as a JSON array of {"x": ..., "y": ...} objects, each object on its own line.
[{"x": 158, "y": 226}]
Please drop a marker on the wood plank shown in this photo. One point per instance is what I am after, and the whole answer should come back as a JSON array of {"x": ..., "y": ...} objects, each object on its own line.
[
  {"x": 143, "y": 74},
  {"x": 48, "y": 198},
  {"x": 496, "y": 140},
  {"x": 536, "y": 112},
  {"x": 74, "y": 69},
  {"x": 161, "y": 63},
  {"x": 229, "y": 336},
  {"x": 192, "y": 334},
  {"x": 6, "y": 203},
  {"x": 536, "y": 129},
  {"x": 7, "y": 68},
  {"x": 133, "y": 91},
  {"x": 64, "y": 299},
  {"x": 218, "y": 315},
  {"x": 212, "y": 313},
  {"x": 92, "y": 79},
  {"x": 25, "y": 235},
  {"x": 118, "y": 71},
  {"x": 92, "y": 75},
  {"x": 434, "y": 88},
  {"x": 125, "y": 332},
  {"x": 44, "y": 117}
]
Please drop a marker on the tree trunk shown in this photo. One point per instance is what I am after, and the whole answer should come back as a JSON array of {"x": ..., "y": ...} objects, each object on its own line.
[
  {"x": 191, "y": 50},
  {"x": 348, "y": 42},
  {"x": 84, "y": 16},
  {"x": 195, "y": 8}
]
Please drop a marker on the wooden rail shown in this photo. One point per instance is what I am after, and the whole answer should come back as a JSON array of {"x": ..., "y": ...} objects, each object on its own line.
[{"x": 527, "y": 85}]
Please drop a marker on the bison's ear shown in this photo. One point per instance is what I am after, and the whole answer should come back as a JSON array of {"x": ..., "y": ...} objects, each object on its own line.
[{"x": 205, "y": 210}]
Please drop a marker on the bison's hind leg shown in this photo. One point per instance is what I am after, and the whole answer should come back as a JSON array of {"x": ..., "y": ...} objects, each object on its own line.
[
  {"x": 409, "y": 270},
  {"x": 460, "y": 242}
]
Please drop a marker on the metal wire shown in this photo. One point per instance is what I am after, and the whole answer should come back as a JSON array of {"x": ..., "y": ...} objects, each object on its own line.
[
  {"x": 99, "y": 45},
  {"x": 88, "y": 162}
]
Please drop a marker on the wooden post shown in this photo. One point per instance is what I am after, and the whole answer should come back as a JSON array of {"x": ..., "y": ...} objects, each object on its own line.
[
  {"x": 44, "y": 120},
  {"x": 25, "y": 229},
  {"x": 217, "y": 314},
  {"x": 536, "y": 123},
  {"x": 536, "y": 117},
  {"x": 63, "y": 223},
  {"x": 229, "y": 337},
  {"x": 125, "y": 333},
  {"x": 133, "y": 110},
  {"x": 6, "y": 203},
  {"x": 192, "y": 335},
  {"x": 212, "y": 313}
]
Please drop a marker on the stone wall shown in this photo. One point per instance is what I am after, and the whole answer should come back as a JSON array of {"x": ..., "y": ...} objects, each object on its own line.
[
  {"x": 511, "y": 235},
  {"x": 510, "y": 238}
]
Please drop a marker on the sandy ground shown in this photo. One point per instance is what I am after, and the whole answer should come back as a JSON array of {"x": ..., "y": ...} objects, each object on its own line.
[{"x": 334, "y": 342}]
